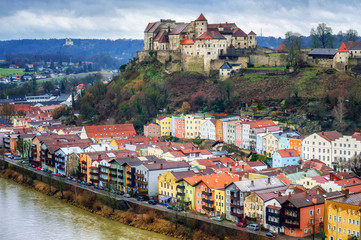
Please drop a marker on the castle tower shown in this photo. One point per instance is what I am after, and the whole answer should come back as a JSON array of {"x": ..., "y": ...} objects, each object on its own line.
[{"x": 201, "y": 25}]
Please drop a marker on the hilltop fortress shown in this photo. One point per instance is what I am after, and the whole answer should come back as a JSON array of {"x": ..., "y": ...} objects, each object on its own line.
[{"x": 198, "y": 45}]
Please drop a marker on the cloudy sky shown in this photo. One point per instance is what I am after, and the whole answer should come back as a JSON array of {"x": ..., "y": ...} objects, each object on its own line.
[{"x": 114, "y": 19}]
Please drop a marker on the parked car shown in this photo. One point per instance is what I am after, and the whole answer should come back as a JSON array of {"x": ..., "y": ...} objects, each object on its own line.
[
  {"x": 58, "y": 174},
  {"x": 217, "y": 218},
  {"x": 169, "y": 206},
  {"x": 96, "y": 186},
  {"x": 7, "y": 154},
  {"x": 69, "y": 178},
  {"x": 89, "y": 184},
  {"x": 48, "y": 171},
  {"x": 79, "y": 181},
  {"x": 253, "y": 227},
  {"x": 152, "y": 202},
  {"x": 38, "y": 168},
  {"x": 11, "y": 156},
  {"x": 241, "y": 224},
  {"x": 33, "y": 166},
  {"x": 17, "y": 158},
  {"x": 100, "y": 188},
  {"x": 83, "y": 182},
  {"x": 270, "y": 235},
  {"x": 126, "y": 195},
  {"x": 140, "y": 198}
]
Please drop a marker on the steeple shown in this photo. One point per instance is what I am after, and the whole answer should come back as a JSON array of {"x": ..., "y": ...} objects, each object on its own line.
[{"x": 201, "y": 18}]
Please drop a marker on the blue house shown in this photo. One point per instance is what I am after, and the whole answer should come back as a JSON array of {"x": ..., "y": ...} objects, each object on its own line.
[{"x": 285, "y": 157}]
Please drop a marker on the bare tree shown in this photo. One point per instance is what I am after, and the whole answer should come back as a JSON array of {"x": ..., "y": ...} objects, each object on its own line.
[
  {"x": 322, "y": 36},
  {"x": 293, "y": 43},
  {"x": 342, "y": 164},
  {"x": 355, "y": 164},
  {"x": 351, "y": 35},
  {"x": 339, "y": 112}
]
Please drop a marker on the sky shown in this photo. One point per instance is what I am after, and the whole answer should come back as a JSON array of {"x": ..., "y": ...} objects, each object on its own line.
[{"x": 115, "y": 19}]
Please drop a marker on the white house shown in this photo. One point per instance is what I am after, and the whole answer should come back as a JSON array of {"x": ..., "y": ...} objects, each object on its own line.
[{"x": 208, "y": 129}]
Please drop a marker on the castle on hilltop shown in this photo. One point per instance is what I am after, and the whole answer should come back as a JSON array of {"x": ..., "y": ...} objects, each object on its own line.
[{"x": 198, "y": 45}]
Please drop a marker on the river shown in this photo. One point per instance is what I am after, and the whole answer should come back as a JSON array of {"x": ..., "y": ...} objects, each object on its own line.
[{"x": 26, "y": 215}]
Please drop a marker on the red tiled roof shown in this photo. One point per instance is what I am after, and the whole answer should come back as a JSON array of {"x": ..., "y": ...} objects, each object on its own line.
[
  {"x": 346, "y": 46},
  {"x": 330, "y": 136},
  {"x": 348, "y": 182},
  {"x": 211, "y": 35},
  {"x": 239, "y": 33},
  {"x": 201, "y": 18},
  {"x": 187, "y": 42},
  {"x": 357, "y": 136},
  {"x": 256, "y": 164},
  {"x": 282, "y": 48},
  {"x": 119, "y": 130},
  {"x": 354, "y": 189},
  {"x": 288, "y": 153},
  {"x": 261, "y": 123}
]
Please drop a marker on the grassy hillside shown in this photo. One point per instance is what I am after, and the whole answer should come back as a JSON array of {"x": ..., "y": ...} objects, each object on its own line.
[{"x": 145, "y": 90}]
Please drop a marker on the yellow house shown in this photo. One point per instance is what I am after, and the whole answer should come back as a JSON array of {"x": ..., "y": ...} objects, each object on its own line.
[
  {"x": 193, "y": 125},
  {"x": 168, "y": 185},
  {"x": 165, "y": 123},
  {"x": 41, "y": 129},
  {"x": 269, "y": 144},
  {"x": 219, "y": 202},
  {"x": 254, "y": 206},
  {"x": 114, "y": 143},
  {"x": 342, "y": 217},
  {"x": 307, "y": 182},
  {"x": 155, "y": 151}
]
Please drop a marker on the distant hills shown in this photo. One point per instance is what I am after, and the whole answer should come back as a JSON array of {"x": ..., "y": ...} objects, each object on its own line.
[{"x": 121, "y": 49}]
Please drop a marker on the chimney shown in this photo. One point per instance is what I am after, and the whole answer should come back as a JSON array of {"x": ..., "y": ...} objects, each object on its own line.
[
  {"x": 230, "y": 169},
  {"x": 99, "y": 157},
  {"x": 347, "y": 193},
  {"x": 161, "y": 166},
  {"x": 269, "y": 180},
  {"x": 279, "y": 194},
  {"x": 323, "y": 133},
  {"x": 252, "y": 183},
  {"x": 331, "y": 177},
  {"x": 289, "y": 195},
  {"x": 314, "y": 201},
  {"x": 106, "y": 149}
]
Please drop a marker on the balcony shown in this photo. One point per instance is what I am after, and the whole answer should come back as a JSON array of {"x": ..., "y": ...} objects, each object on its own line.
[
  {"x": 113, "y": 175},
  {"x": 207, "y": 193},
  {"x": 277, "y": 224},
  {"x": 252, "y": 219},
  {"x": 286, "y": 216},
  {"x": 139, "y": 175},
  {"x": 273, "y": 214},
  {"x": 240, "y": 215},
  {"x": 103, "y": 171},
  {"x": 291, "y": 225},
  {"x": 130, "y": 184},
  {"x": 180, "y": 194},
  {"x": 60, "y": 167},
  {"x": 84, "y": 168},
  {"x": 181, "y": 187},
  {"x": 129, "y": 178},
  {"x": 141, "y": 182},
  {"x": 235, "y": 198},
  {"x": 103, "y": 179},
  {"x": 208, "y": 201},
  {"x": 94, "y": 173},
  {"x": 236, "y": 206},
  {"x": 83, "y": 162},
  {"x": 208, "y": 208}
]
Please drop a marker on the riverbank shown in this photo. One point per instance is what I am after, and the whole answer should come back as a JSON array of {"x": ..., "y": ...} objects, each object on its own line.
[{"x": 135, "y": 215}]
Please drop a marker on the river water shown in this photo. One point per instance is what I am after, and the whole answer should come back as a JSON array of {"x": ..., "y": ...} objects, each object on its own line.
[{"x": 26, "y": 215}]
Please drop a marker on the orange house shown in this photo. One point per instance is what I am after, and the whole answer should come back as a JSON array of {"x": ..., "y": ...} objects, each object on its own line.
[
  {"x": 204, "y": 191},
  {"x": 305, "y": 216},
  {"x": 219, "y": 130},
  {"x": 179, "y": 128},
  {"x": 296, "y": 144},
  {"x": 12, "y": 140}
]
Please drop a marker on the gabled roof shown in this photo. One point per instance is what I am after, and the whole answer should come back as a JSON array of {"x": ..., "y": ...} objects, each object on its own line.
[
  {"x": 166, "y": 165},
  {"x": 300, "y": 175},
  {"x": 201, "y": 18},
  {"x": 251, "y": 33},
  {"x": 120, "y": 130},
  {"x": 256, "y": 164},
  {"x": 260, "y": 184},
  {"x": 239, "y": 33},
  {"x": 357, "y": 136},
  {"x": 152, "y": 27},
  {"x": 178, "y": 29},
  {"x": 349, "y": 182},
  {"x": 288, "y": 153},
  {"x": 347, "y": 46},
  {"x": 217, "y": 181},
  {"x": 261, "y": 123},
  {"x": 211, "y": 35},
  {"x": 282, "y": 48},
  {"x": 307, "y": 201},
  {"x": 226, "y": 65}
]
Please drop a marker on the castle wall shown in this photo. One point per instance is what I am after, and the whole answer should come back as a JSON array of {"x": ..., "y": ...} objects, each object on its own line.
[
  {"x": 268, "y": 60},
  {"x": 321, "y": 62},
  {"x": 340, "y": 61},
  {"x": 162, "y": 56}
]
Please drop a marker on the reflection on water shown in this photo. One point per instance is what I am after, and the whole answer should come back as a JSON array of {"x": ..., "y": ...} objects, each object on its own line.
[{"x": 26, "y": 214}]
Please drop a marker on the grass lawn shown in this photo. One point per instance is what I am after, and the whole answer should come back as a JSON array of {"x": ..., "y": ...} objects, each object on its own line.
[
  {"x": 9, "y": 71},
  {"x": 268, "y": 68}
]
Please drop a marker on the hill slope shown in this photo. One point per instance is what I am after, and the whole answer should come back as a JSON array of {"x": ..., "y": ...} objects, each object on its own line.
[{"x": 145, "y": 90}]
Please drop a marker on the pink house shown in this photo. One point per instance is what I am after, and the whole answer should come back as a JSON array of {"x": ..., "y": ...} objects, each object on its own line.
[
  {"x": 179, "y": 131},
  {"x": 238, "y": 130}
]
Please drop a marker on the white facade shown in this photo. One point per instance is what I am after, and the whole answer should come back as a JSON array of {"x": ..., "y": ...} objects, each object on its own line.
[
  {"x": 272, "y": 202},
  {"x": 245, "y": 135},
  {"x": 316, "y": 147},
  {"x": 345, "y": 148},
  {"x": 208, "y": 130}
]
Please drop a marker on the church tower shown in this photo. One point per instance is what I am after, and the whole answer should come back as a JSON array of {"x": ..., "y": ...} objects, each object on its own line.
[{"x": 201, "y": 25}]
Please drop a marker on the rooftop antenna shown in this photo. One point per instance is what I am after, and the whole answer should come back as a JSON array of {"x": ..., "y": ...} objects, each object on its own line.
[{"x": 261, "y": 32}]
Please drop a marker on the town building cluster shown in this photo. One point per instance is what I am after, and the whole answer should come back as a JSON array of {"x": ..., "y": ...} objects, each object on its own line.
[{"x": 297, "y": 192}]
